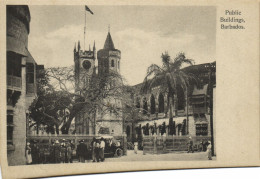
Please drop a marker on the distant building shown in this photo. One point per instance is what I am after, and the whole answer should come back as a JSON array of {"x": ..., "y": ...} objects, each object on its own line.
[
  {"x": 108, "y": 61},
  {"x": 21, "y": 81}
]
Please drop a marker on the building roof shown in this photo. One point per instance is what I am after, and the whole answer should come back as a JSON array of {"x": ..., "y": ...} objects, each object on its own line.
[{"x": 109, "y": 45}]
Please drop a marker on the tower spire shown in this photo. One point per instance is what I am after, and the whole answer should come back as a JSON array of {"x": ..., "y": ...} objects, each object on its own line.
[
  {"x": 75, "y": 47},
  {"x": 78, "y": 45},
  {"x": 109, "y": 43},
  {"x": 108, "y": 28},
  {"x": 89, "y": 47},
  {"x": 94, "y": 46}
]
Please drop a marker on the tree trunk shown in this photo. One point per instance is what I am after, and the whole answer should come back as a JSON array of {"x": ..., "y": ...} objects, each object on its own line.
[
  {"x": 57, "y": 129},
  {"x": 187, "y": 110}
]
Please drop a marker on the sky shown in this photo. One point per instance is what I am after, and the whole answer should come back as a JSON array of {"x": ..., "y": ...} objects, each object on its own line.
[{"x": 141, "y": 33}]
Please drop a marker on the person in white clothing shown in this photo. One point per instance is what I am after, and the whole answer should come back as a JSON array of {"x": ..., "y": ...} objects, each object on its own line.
[
  {"x": 102, "y": 146},
  {"x": 136, "y": 147},
  {"x": 209, "y": 151}
]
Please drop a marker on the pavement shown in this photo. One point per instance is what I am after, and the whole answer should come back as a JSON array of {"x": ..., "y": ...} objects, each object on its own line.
[{"x": 174, "y": 156}]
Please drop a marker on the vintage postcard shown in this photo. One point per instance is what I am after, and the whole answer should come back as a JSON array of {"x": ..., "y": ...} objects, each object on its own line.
[{"x": 98, "y": 86}]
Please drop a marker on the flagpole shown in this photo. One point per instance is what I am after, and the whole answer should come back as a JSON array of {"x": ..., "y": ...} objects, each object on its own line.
[{"x": 84, "y": 30}]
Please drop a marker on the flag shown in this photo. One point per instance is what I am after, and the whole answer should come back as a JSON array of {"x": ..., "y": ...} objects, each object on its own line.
[{"x": 87, "y": 9}]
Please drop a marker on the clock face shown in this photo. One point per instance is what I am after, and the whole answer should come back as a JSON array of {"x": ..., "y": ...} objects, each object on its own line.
[{"x": 86, "y": 64}]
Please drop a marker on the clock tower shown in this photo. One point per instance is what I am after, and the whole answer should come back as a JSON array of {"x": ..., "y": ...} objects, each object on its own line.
[
  {"x": 84, "y": 63},
  {"x": 84, "y": 69}
]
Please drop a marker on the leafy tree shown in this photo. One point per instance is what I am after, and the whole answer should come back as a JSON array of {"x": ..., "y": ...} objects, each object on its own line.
[
  {"x": 169, "y": 77},
  {"x": 59, "y": 101}
]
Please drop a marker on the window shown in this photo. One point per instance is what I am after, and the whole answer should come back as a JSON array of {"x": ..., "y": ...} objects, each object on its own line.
[
  {"x": 152, "y": 104},
  {"x": 161, "y": 103},
  {"x": 118, "y": 65},
  {"x": 201, "y": 129},
  {"x": 13, "y": 64},
  {"x": 112, "y": 63},
  {"x": 10, "y": 128},
  {"x": 29, "y": 72},
  {"x": 145, "y": 107}
]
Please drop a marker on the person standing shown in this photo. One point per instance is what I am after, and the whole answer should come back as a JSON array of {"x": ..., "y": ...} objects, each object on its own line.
[
  {"x": 28, "y": 154},
  {"x": 190, "y": 145},
  {"x": 35, "y": 153},
  {"x": 102, "y": 149},
  {"x": 97, "y": 150},
  {"x": 136, "y": 147},
  {"x": 81, "y": 151},
  {"x": 56, "y": 152},
  {"x": 69, "y": 152},
  {"x": 209, "y": 150},
  {"x": 63, "y": 151},
  {"x": 93, "y": 145}
]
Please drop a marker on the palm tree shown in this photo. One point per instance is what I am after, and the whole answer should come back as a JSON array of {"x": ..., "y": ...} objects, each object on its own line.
[{"x": 169, "y": 76}]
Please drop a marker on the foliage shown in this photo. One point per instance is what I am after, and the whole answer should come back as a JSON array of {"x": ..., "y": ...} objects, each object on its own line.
[
  {"x": 169, "y": 76},
  {"x": 60, "y": 100}
]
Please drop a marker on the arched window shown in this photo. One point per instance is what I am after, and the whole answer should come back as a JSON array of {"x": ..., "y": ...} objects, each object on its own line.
[
  {"x": 152, "y": 104},
  {"x": 128, "y": 131},
  {"x": 118, "y": 65},
  {"x": 138, "y": 103},
  {"x": 180, "y": 98},
  {"x": 145, "y": 106},
  {"x": 112, "y": 63},
  {"x": 161, "y": 103}
]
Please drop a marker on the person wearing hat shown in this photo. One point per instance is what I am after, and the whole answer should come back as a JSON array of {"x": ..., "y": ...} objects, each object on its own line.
[
  {"x": 209, "y": 150},
  {"x": 56, "y": 151},
  {"x": 93, "y": 144},
  {"x": 35, "y": 152},
  {"x": 28, "y": 154},
  {"x": 190, "y": 145},
  {"x": 102, "y": 149},
  {"x": 81, "y": 151},
  {"x": 63, "y": 150},
  {"x": 68, "y": 152}
]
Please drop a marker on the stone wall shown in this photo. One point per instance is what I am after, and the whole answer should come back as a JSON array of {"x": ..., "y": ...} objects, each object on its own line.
[{"x": 17, "y": 156}]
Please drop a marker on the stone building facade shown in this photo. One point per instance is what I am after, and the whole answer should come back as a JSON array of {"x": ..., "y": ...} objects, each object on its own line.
[
  {"x": 21, "y": 81},
  {"x": 192, "y": 120},
  {"x": 109, "y": 57}
]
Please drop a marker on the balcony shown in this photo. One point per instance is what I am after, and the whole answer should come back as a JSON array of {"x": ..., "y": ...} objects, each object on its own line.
[{"x": 14, "y": 83}]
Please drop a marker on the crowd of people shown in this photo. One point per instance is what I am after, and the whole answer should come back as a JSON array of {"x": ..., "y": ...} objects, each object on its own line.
[
  {"x": 62, "y": 152},
  {"x": 56, "y": 152}
]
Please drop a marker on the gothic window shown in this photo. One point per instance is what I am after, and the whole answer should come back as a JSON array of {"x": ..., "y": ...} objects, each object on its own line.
[
  {"x": 161, "y": 103},
  {"x": 112, "y": 63},
  {"x": 152, "y": 104},
  {"x": 128, "y": 131},
  {"x": 180, "y": 97},
  {"x": 138, "y": 105},
  {"x": 201, "y": 129},
  {"x": 145, "y": 107}
]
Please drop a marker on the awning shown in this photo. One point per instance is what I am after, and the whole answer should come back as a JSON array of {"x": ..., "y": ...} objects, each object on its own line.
[
  {"x": 201, "y": 119},
  {"x": 197, "y": 91},
  {"x": 14, "y": 45}
]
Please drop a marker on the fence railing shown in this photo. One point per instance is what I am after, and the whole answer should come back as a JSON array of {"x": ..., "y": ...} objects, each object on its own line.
[
  {"x": 167, "y": 144},
  {"x": 14, "y": 82}
]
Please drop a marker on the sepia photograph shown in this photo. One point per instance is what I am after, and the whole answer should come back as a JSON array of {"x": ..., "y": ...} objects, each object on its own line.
[
  {"x": 118, "y": 86},
  {"x": 110, "y": 83}
]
